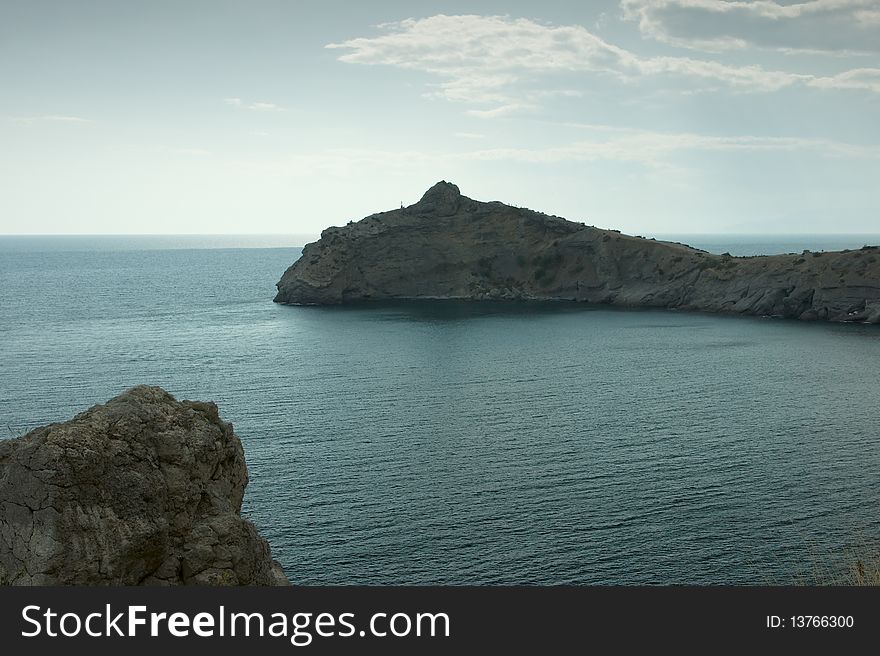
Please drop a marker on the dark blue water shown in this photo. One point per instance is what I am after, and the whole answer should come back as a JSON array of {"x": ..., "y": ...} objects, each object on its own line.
[{"x": 473, "y": 443}]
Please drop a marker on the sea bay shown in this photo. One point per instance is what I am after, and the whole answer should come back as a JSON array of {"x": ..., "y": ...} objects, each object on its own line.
[{"x": 473, "y": 443}]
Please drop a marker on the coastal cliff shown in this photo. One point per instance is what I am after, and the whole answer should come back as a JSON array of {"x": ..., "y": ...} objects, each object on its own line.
[
  {"x": 141, "y": 490},
  {"x": 449, "y": 246}
]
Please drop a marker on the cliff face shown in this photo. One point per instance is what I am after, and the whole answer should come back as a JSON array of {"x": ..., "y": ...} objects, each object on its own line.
[
  {"x": 141, "y": 490},
  {"x": 450, "y": 246}
]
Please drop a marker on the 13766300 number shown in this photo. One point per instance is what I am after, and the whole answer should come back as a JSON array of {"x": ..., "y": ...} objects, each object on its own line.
[{"x": 821, "y": 621}]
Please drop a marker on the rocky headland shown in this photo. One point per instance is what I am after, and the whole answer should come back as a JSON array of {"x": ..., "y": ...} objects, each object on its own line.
[
  {"x": 449, "y": 246},
  {"x": 141, "y": 490}
]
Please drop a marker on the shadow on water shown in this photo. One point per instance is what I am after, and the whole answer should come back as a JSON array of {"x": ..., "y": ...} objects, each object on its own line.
[
  {"x": 439, "y": 310},
  {"x": 451, "y": 309}
]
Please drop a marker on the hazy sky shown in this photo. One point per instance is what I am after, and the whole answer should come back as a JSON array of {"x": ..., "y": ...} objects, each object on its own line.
[{"x": 270, "y": 116}]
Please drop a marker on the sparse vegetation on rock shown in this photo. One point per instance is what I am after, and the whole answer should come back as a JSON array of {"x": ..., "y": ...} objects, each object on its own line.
[{"x": 433, "y": 249}]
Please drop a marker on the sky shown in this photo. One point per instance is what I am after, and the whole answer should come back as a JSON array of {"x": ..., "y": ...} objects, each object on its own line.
[{"x": 271, "y": 116}]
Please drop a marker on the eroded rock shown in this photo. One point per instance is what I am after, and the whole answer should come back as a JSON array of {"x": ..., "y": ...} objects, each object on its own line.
[{"x": 141, "y": 490}]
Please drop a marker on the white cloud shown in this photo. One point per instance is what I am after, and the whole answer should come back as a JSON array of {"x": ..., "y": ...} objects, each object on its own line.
[
  {"x": 868, "y": 17},
  {"x": 265, "y": 107},
  {"x": 763, "y": 8},
  {"x": 482, "y": 57},
  {"x": 746, "y": 78},
  {"x": 255, "y": 106},
  {"x": 860, "y": 78},
  {"x": 491, "y": 61},
  {"x": 502, "y": 110},
  {"x": 714, "y": 25},
  {"x": 657, "y": 148}
]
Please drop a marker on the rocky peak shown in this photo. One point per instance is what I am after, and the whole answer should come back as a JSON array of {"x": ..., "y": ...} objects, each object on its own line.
[{"x": 442, "y": 199}]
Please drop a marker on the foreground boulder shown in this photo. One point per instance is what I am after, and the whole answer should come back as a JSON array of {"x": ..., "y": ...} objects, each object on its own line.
[
  {"x": 141, "y": 490},
  {"x": 448, "y": 246}
]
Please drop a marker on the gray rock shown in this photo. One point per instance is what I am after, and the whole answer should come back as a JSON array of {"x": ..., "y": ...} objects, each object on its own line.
[
  {"x": 450, "y": 246},
  {"x": 141, "y": 490},
  {"x": 443, "y": 199}
]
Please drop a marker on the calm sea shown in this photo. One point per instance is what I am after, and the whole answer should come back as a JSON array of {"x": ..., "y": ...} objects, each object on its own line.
[{"x": 455, "y": 443}]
